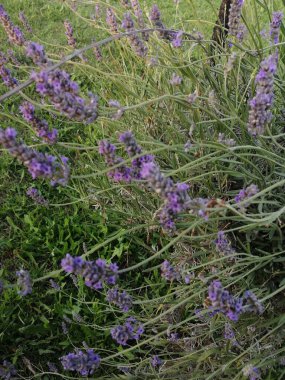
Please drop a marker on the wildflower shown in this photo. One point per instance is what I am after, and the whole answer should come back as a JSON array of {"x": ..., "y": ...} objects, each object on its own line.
[
  {"x": 252, "y": 304},
  {"x": 245, "y": 194},
  {"x": 260, "y": 114},
  {"x": 155, "y": 361},
  {"x": 24, "y": 282},
  {"x": 14, "y": 33},
  {"x": 177, "y": 40},
  {"x": 169, "y": 272},
  {"x": 36, "y": 196},
  {"x": 111, "y": 20},
  {"x": 52, "y": 367},
  {"x": 95, "y": 273},
  {"x": 121, "y": 299},
  {"x": 155, "y": 17},
  {"x": 7, "y": 370},
  {"x": 134, "y": 149},
  {"x": 139, "y": 15},
  {"x": 172, "y": 337},
  {"x": 223, "y": 245},
  {"x": 64, "y": 94},
  {"x": 97, "y": 11},
  {"x": 191, "y": 99},
  {"x": 135, "y": 41},
  {"x": 187, "y": 146},
  {"x": 222, "y": 301},
  {"x": 83, "y": 363},
  {"x": 176, "y": 80},
  {"x": 98, "y": 53},
  {"x": 37, "y": 53},
  {"x": 12, "y": 57},
  {"x": 275, "y": 26},
  {"x": 40, "y": 126},
  {"x": 7, "y": 77},
  {"x": 131, "y": 330},
  {"x": 235, "y": 27},
  {"x": 251, "y": 372},
  {"x": 54, "y": 284},
  {"x": 69, "y": 34},
  {"x": 229, "y": 332},
  {"x": 126, "y": 3},
  {"x": 25, "y": 22},
  {"x": 230, "y": 63},
  {"x": 38, "y": 164},
  {"x": 122, "y": 173},
  {"x": 223, "y": 140}
]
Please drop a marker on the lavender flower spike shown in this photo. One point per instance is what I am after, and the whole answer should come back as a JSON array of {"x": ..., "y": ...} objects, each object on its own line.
[
  {"x": 155, "y": 17},
  {"x": 275, "y": 26},
  {"x": 135, "y": 41},
  {"x": 37, "y": 53},
  {"x": 69, "y": 34},
  {"x": 120, "y": 299},
  {"x": 24, "y": 282},
  {"x": 83, "y": 363},
  {"x": 111, "y": 20},
  {"x": 33, "y": 193},
  {"x": 25, "y": 22},
  {"x": 169, "y": 272},
  {"x": 7, "y": 370},
  {"x": 260, "y": 106},
  {"x": 7, "y": 77},
  {"x": 131, "y": 330},
  {"x": 235, "y": 17},
  {"x": 139, "y": 15},
  {"x": 14, "y": 33}
]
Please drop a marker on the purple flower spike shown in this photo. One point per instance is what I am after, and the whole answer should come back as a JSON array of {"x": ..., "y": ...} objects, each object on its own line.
[
  {"x": 245, "y": 194},
  {"x": 177, "y": 41},
  {"x": 275, "y": 26},
  {"x": 7, "y": 77},
  {"x": 25, "y": 22},
  {"x": 37, "y": 53},
  {"x": 252, "y": 304},
  {"x": 155, "y": 361},
  {"x": 112, "y": 20},
  {"x": 176, "y": 80},
  {"x": 136, "y": 43},
  {"x": 235, "y": 27},
  {"x": 83, "y": 363},
  {"x": 223, "y": 245},
  {"x": 33, "y": 193},
  {"x": 251, "y": 372},
  {"x": 120, "y": 299},
  {"x": 139, "y": 15},
  {"x": 7, "y": 370},
  {"x": 155, "y": 18},
  {"x": 14, "y": 33},
  {"x": 24, "y": 282},
  {"x": 69, "y": 34},
  {"x": 169, "y": 272},
  {"x": 131, "y": 330}
]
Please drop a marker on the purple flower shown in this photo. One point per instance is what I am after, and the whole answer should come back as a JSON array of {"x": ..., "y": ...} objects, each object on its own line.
[
  {"x": 40, "y": 126},
  {"x": 223, "y": 245},
  {"x": 222, "y": 301},
  {"x": 275, "y": 26},
  {"x": 25, "y": 22},
  {"x": 136, "y": 43},
  {"x": 176, "y": 80},
  {"x": 139, "y": 15},
  {"x": 252, "y": 304},
  {"x": 155, "y": 361},
  {"x": 251, "y": 372},
  {"x": 245, "y": 194},
  {"x": 225, "y": 141},
  {"x": 69, "y": 34},
  {"x": 52, "y": 367},
  {"x": 54, "y": 284},
  {"x": 38, "y": 164},
  {"x": 121, "y": 299},
  {"x": 37, "y": 53},
  {"x": 111, "y": 20},
  {"x": 131, "y": 330},
  {"x": 235, "y": 27},
  {"x": 24, "y": 282},
  {"x": 83, "y": 363},
  {"x": 97, "y": 52},
  {"x": 7, "y": 370},
  {"x": 169, "y": 272},
  {"x": 260, "y": 106},
  {"x": 33, "y": 193},
  {"x": 7, "y": 77},
  {"x": 126, "y": 3},
  {"x": 14, "y": 33},
  {"x": 229, "y": 332},
  {"x": 95, "y": 273},
  {"x": 64, "y": 94},
  {"x": 155, "y": 17},
  {"x": 177, "y": 40}
]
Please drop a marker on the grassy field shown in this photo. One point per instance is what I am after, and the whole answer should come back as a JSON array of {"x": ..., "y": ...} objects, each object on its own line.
[{"x": 97, "y": 217}]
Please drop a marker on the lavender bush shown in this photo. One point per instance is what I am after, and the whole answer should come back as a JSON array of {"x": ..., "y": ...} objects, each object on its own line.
[{"x": 141, "y": 193}]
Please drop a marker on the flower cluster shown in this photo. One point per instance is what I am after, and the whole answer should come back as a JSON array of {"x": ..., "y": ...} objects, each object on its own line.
[
  {"x": 33, "y": 193},
  {"x": 95, "y": 273},
  {"x": 6, "y": 76},
  {"x": 24, "y": 282},
  {"x": 15, "y": 35},
  {"x": 229, "y": 332},
  {"x": 155, "y": 361},
  {"x": 245, "y": 194},
  {"x": 223, "y": 244},
  {"x": 225, "y": 141},
  {"x": 121, "y": 299},
  {"x": 7, "y": 370},
  {"x": 260, "y": 114},
  {"x": 275, "y": 26},
  {"x": 64, "y": 94},
  {"x": 39, "y": 164},
  {"x": 131, "y": 330},
  {"x": 40, "y": 126},
  {"x": 25, "y": 22},
  {"x": 83, "y": 363},
  {"x": 176, "y": 80},
  {"x": 136, "y": 43},
  {"x": 222, "y": 301},
  {"x": 37, "y": 53},
  {"x": 169, "y": 272},
  {"x": 251, "y": 372},
  {"x": 139, "y": 15},
  {"x": 112, "y": 20},
  {"x": 97, "y": 52},
  {"x": 235, "y": 27},
  {"x": 252, "y": 304},
  {"x": 155, "y": 17},
  {"x": 69, "y": 34},
  {"x": 177, "y": 40}
]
